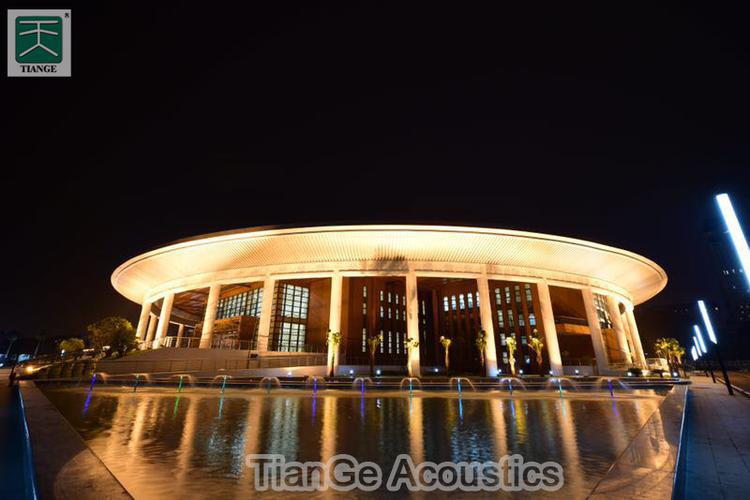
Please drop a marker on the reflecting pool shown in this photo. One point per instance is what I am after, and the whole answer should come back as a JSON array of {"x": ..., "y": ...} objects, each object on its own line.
[{"x": 160, "y": 443}]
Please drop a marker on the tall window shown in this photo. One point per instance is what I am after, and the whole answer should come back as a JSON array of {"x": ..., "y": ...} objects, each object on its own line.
[
  {"x": 600, "y": 302},
  {"x": 290, "y": 320},
  {"x": 242, "y": 304}
]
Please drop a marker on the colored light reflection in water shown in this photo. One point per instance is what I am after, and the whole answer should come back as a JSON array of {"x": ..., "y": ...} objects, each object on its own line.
[
  {"x": 143, "y": 438},
  {"x": 176, "y": 406},
  {"x": 87, "y": 403}
]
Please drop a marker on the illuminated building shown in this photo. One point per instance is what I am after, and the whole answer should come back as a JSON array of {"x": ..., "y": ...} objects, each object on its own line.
[{"x": 282, "y": 290}]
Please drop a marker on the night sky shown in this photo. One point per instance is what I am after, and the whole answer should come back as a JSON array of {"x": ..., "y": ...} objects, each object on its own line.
[{"x": 602, "y": 123}]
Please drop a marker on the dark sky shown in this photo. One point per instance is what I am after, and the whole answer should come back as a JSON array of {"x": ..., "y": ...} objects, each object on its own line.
[{"x": 603, "y": 123}]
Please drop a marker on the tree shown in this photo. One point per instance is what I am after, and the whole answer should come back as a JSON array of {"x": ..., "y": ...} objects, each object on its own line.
[
  {"x": 446, "y": 343},
  {"x": 40, "y": 338},
  {"x": 113, "y": 331},
  {"x": 410, "y": 344},
  {"x": 333, "y": 339},
  {"x": 510, "y": 342},
  {"x": 663, "y": 349},
  {"x": 481, "y": 343},
  {"x": 373, "y": 343},
  {"x": 123, "y": 341},
  {"x": 12, "y": 337},
  {"x": 72, "y": 347},
  {"x": 537, "y": 346}
]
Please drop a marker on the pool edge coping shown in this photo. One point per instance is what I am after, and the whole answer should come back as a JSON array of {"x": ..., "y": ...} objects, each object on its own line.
[
  {"x": 676, "y": 396},
  {"x": 49, "y": 429}
]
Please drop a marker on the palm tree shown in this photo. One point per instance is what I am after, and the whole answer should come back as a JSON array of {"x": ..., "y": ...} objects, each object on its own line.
[
  {"x": 333, "y": 339},
  {"x": 662, "y": 347},
  {"x": 537, "y": 345},
  {"x": 677, "y": 352},
  {"x": 12, "y": 337},
  {"x": 510, "y": 342},
  {"x": 39, "y": 337},
  {"x": 481, "y": 343},
  {"x": 372, "y": 347},
  {"x": 446, "y": 343},
  {"x": 410, "y": 344}
]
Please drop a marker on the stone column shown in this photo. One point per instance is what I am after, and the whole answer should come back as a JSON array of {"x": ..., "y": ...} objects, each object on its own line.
[
  {"x": 597, "y": 341},
  {"x": 166, "y": 312},
  {"x": 550, "y": 332},
  {"x": 207, "y": 333},
  {"x": 636, "y": 336},
  {"x": 622, "y": 340},
  {"x": 412, "y": 321},
  {"x": 485, "y": 314},
  {"x": 140, "y": 331},
  {"x": 266, "y": 313},
  {"x": 151, "y": 332},
  {"x": 334, "y": 320},
  {"x": 180, "y": 333}
]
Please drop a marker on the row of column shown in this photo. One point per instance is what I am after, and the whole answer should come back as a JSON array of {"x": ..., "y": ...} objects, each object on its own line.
[{"x": 152, "y": 329}]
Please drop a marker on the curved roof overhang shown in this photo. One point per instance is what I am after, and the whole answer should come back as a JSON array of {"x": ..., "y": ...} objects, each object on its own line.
[{"x": 257, "y": 252}]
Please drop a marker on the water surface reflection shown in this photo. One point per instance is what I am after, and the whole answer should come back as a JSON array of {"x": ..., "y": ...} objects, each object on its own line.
[{"x": 160, "y": 443}]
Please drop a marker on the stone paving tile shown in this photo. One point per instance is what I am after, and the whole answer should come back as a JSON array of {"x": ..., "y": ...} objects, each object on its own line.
[{"x": 717, "y": 443}]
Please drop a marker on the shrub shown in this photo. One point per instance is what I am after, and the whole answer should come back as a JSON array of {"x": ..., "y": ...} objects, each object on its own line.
[{"x": 54, "y": 371}]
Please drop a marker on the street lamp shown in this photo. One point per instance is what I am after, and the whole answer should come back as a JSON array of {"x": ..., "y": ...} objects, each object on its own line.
[
  {"x": 712, "y": 336},
  {"x": 692, "y": 351},
  {"x": 699, "y": 336},
  {"x": 735, "y": 232}
]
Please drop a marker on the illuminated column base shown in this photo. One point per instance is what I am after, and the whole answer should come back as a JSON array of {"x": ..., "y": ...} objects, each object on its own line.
[
  {"x": 485, "y": 313},
  {"x": 166, "y": 312},
  {"x": 266, "y": 313},
  {"x": 622, "y": 340},
  {"x": 334, "y": 321},
  {"x": 207, "y": 333},
  {"x": 151, "y": 332},
  {"x": 412, "y": 322},
  {"x": 636, "y": 336},
  {"x": 597, "y": 340},
  {"x": 140, "y": 331},
  {"x": 550, "y": 332}
]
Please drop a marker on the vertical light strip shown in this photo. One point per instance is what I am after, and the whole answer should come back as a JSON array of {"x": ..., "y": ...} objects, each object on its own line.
[
  {"x": 707, "y": 321},
  {"x": 702, "y": 346},
  {"x": 735, "y": 232},
  {"x": 698, "y": 347},
  {"x": 692, "y": 351}
]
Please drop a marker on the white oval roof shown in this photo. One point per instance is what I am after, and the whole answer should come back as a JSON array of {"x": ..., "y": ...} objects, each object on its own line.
[{"x": 197, "y": 259}]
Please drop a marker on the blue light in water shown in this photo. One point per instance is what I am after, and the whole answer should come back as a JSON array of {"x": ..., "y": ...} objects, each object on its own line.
[
  {"x": 513, "y": 410},
  {"x": 702, "y": 345},
  {"x": 614, "y": 409},
  {"x": 314, "y": 406},
  {"x": 88, "y": 401},
  {"x": 221, "y": 405},
  {"x": 461, "y": 408},
  {"x": 707, "y": 321},
  {"x": 735, "y": 232}
]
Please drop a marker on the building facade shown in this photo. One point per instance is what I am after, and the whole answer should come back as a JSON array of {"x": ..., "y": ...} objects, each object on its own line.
[{"x": 284, "y": 289}]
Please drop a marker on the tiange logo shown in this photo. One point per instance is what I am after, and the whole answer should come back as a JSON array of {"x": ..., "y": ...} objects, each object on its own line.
[{"x": 39, "y": 43}]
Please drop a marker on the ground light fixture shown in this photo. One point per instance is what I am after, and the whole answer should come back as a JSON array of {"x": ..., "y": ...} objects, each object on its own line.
[
  {"x": 712, "y": 337},
  {"x": 735, "y": 232}
]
